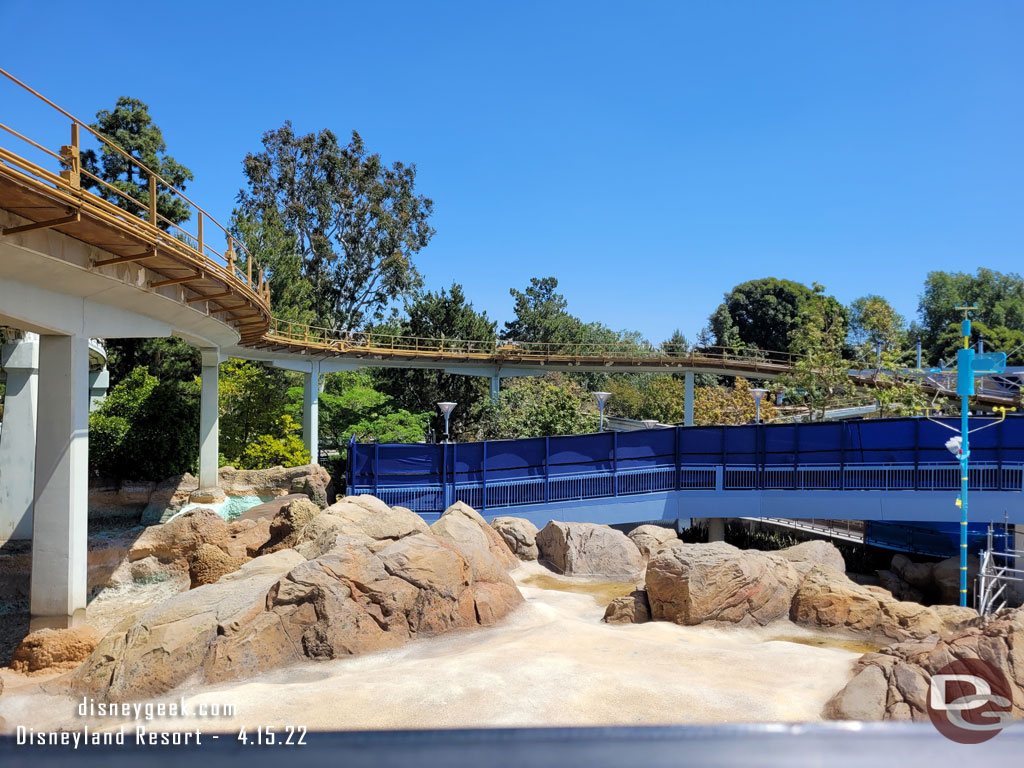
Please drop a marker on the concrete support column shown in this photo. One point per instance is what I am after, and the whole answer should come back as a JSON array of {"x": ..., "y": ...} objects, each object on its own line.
[
  {"x": 495, "y": 389},
  {"x": 688, "y": 406},
  {"x": 60, "y": 513},
  {"x": 20, "y": 360},
  {"x": 99, "y": 383},
  {"x": 209, "y": 420},
  {"x": 311, "y": 411},
  {"x": 716, "y": 529}
]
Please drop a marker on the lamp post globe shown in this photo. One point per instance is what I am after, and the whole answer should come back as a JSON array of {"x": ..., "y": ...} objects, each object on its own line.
[
  {"x": 602, "y": 398},
  {"x": 446, "y": 410},
  {"x": 758, "y": 395}
]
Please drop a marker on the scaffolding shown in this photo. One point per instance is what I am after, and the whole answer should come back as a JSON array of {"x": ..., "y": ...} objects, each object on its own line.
[{"x": 998, "y": 570}]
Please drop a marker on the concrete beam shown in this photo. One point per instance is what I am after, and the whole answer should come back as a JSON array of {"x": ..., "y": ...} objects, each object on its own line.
[
  {"x": 716, "y": 529},
  {"x": 688, "y": 395},
  {"x": 20, "y": 360},
  {"x": 495, "y": 389},
  {"x": 60, "y": 513},
  {"x": 209, "y": 419}
]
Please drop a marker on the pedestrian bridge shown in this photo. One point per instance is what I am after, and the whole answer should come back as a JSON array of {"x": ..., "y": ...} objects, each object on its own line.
[{"x": 878, "y": 470}]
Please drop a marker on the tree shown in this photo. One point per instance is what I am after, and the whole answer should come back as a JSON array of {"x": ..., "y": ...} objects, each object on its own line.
[
  {"x": 145, "y": 429},
  {"x": 539, "y": 407},
  {"x": 441, "y": 315},
  {"x": 997, "y": 338},
  {"x": 722, "y": 405},
  {"x": 874, "y": 322},
  {"x": 351, "y": 407},
  {"x": 131, "y": 128},
  {"x": 356, "y": 222},
  {"x": 542, "y": 315},
  {"x": 168, "y": 359},
  {"x": 766, "y": 314},
  {"x": 819, "y": 375},
  {"x": 999, "y": 296},
  {"x": 254, "y": 405}
]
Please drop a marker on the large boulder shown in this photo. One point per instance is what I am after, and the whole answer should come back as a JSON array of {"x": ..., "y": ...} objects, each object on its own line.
[
  {"x": 268, "y": 509},
  {"x": 586, "y": 549},
  {"x": 829, "y": 600},
  {"x": 651, "y": 539},
  {"x": 464, "y": 528},
  {"x": 633, "y": 608},
  {"x": 181, "y": 537},
  {"x": 376, "y": 519},
  {"x": 946, "y": 576},
  {"x": 695, "y": 583},
  {"x": 52, "y": 650},
  {"x": 519, "y": 534},
  {"x": 313, "y": 487},
  {"x": 814, "y": 552},
  {"x": 893, "y": 684},
  {"x": 287, "y": 525},
  {"x": 246, "y": 537},
  {"x": 210, "y": 563}
]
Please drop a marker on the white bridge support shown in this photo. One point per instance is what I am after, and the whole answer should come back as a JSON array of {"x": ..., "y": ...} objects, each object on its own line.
[
  {"x": 60, "y": 512},
  {"x": 716, "y": 529},
  {"x": 209, "y": 419},
  {"x": 311, "y": 410},
  {"x": 20, "y": 360},
  {"x": 688, "y": 394}
]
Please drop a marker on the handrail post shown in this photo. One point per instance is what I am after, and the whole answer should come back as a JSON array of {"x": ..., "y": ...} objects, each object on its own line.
[
  {"x": 248, "y": 267},
  {"x": 152, "y": 199},
  {"x": 73, "y": 173},
  {"x": 199, "y": 234}
]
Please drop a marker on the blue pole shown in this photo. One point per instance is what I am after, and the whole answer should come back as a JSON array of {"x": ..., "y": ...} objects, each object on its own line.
[{"x": 963, "y": 499}]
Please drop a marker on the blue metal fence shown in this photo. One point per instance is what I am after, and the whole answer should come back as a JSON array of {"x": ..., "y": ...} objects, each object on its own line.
[{"x": 881, "y": 454}]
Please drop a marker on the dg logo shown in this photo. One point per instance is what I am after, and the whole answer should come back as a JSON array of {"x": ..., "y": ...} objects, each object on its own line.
[{"x": 970, "y": 701}]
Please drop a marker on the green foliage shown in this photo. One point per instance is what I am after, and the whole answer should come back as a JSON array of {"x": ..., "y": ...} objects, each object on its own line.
[
  {"x": 355, "y": 222},
  {"x": 873, "y": 322},
  {"x": 767, "y": 313},
  {"x": 997, "y": 338},
  {"x": 253, "y": 408},
  {"x": 999, "y": 296},
  {"x": 538, "y": 407},
  {"x": 169, "y": 359},
  {"x": 284, "y": 448},
  {"x": 441, "y": 315},
  {"x": 350, "y": 406},
  {"x": 145, "y": 429},
  {"x": 820, "y": 374},
  {"x": 130, "y": 127}
]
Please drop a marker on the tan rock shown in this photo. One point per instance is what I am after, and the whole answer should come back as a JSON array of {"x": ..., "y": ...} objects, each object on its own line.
[
  {"x": 585, "y": 549},
  {"x": 651, "y": 539},
  {"x": 693, "y": 583},
  {"x": 630, "y": 609},
  {"x": 463, "y": 527},
  {"x": 50, "y": 650},
  {"x": 181, "y": 537},
  {"x": 246, "y": 537},
  {"x": 210, "y": 563},
  {"x": 519, "y": 534},
  {"x": 269, "y": 509},
  {"x": 287, "y": 525},
  {"x": 376, "y": 519},
  {"x": 814, "y": 552}
]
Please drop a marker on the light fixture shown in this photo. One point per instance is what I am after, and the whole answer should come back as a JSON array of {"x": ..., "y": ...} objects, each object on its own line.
[
  {"x": 758, "y": 395},
  {"x": 602, "y": 398},
  {"x": 446, "y": 410}
]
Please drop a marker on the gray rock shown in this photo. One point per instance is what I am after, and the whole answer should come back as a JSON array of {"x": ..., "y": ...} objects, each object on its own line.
[
  {"x": 651, "y": 539},
  {"x": 629, "y": 609},
  {"x": 519, "y": 534},
  {"x": 863, "y": 698}
]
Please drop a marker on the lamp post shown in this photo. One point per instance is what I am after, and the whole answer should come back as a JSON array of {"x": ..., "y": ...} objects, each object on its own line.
[
  {"x": 602, "y": 398},
  {"x": 758, "y": 395},
  {"x": 446, "y": 410}
]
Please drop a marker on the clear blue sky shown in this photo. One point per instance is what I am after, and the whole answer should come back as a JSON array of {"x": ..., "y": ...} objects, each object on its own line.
[{"x": 649, "y": 155}]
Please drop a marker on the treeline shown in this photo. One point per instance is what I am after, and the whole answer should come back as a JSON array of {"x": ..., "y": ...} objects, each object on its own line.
[{"x": 338, "y": 231}]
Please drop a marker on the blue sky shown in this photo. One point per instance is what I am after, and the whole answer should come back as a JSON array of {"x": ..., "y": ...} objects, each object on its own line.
[{"x": 648, "y": 155}]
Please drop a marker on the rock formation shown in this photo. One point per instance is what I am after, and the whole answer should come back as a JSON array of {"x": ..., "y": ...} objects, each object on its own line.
[
  {"x": 586, "y": 549},
  {"x": 651, "y": 539},
  {"x": 370, "y": 577},
  {"x": 893, "y": 684},
  {"x": 519, "y": 534},
  {"x": 633, "y": 608},
  {"x": 51, "y": 650},
  {"x": 209, "y": 563}
]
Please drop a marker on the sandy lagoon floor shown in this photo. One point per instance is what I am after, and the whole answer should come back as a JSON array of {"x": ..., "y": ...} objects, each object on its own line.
[{"x": 552, "y": 663}]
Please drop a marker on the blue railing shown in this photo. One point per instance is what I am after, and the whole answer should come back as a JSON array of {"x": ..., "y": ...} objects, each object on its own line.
[{"x": 594, "y": 485}]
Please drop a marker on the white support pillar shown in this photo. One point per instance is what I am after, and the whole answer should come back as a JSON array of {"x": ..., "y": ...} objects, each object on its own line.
[
  {"x": 688, "y": 394},
  {"x": 20, "y": 360},
  {"x": 60, "y": 513},
  {"x": 495, "y": 389},
  {"x": 209, "y": 420},
  {"x": 311, "y": 411},
  {"x": 99, "y": 383},
  {"x": 716, "y": 529}
]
